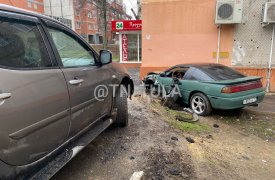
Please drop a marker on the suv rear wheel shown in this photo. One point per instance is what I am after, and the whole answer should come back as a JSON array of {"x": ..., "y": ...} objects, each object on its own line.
[{"x": 122, "y": 107}]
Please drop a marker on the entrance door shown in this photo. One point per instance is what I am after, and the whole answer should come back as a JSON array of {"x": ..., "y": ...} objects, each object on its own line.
[{"x": 131, "y": 48}]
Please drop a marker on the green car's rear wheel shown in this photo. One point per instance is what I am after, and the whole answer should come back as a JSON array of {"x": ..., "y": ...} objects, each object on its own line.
[{"x": 200, "y": 104}]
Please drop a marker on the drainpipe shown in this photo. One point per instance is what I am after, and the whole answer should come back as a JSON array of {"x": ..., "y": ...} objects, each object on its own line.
[
  {"x": 219, "y": 43},
  {"x": 270, "y": 61}
]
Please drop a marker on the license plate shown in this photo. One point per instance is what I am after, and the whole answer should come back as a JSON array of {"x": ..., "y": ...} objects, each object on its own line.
[{"x": 249, "y": 101}]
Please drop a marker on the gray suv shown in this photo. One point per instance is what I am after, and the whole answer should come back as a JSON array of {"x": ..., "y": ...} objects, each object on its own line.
[{"x": 56, "y": 94}]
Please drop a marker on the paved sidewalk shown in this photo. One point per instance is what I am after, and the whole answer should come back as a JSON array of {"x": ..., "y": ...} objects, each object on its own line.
[{"x": 267, "y": 107}]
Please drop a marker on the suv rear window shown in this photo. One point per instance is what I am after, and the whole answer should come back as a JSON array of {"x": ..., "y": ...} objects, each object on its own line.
[
  {"x": 22, "y": 46},
  {"x": 219, "y": 72}
]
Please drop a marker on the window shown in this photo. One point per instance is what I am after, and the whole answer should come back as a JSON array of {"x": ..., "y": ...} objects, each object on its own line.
[
  {"x": 77, "y": 12},
  {"x": 78, "y": 25},
  {"x": 29, "y": 4},
  {"x": 91, "y": 26},
  {"x": 95, "y": 14},
  {"x": 35, "y": 6},
  {"x": 71, "y": 52},
  {"x": 21, "y": 46},
  {"x": 89, "y": 15},
  {"x": 91, "y": 39}
]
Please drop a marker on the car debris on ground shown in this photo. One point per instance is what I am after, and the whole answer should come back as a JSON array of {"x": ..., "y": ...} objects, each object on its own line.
[
  {"x": 137, "y": 176},
  {"x": 190, "y": 140}
]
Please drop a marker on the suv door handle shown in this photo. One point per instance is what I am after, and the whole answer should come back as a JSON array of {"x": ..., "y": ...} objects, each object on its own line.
[
  {"x": 4, "y": 96},
  {"x": 76, "y": 81}
]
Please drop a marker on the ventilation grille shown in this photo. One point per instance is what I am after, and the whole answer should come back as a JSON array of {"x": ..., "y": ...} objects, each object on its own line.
[
  {"x": 229, "y": 12},
  {"x": 225, "y": 11}
]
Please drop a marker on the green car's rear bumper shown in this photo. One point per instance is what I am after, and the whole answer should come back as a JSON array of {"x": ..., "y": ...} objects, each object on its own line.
[{"x": 235, "y": 102}]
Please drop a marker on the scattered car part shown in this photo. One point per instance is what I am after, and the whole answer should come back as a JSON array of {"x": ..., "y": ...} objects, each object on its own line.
[
  {"x": 174, "y": 138},
  {"x": 189, "y": 139},
  {"x": 216, "y": 126},
  {"x": 195, "y": 117},
  {"x": 138, "y": 176}
]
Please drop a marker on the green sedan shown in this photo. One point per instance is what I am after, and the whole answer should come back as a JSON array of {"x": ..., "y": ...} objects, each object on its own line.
[{"x": 209, "y": 86}]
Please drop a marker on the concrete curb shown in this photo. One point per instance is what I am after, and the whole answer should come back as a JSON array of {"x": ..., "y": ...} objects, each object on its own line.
[
  {"x": 259, "y": 112},
  {"x": 270, "y": 94}
]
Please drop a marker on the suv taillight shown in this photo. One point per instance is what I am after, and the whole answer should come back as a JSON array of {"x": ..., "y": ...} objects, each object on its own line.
[{"x": 241, "y": 88}]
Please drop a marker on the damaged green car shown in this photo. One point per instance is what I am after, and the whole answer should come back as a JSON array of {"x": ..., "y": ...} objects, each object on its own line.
[{"x": 208, "y": 86}]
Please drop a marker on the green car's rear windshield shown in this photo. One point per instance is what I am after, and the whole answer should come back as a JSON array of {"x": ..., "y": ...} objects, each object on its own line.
[{"x": 220, "y": 72}]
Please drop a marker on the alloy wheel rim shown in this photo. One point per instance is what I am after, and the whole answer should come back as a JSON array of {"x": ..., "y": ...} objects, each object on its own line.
[{"x": 198, "y": 105}]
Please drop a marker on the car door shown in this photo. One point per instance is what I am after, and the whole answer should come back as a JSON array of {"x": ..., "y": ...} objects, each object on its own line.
[
  {"x": 34, "y": 99},
  {"x": 87, "y": 81}
]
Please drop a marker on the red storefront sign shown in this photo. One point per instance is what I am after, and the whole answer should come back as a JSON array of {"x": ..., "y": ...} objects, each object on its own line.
[
  {"x": 124, "y": 48},
  {"x": 131, "y": 25}
]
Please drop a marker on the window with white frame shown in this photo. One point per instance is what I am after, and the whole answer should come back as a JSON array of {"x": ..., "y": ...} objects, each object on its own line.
[
  {"x": 35, "y": 6},
  {"x": 95, "y": 14},
  {"x": 78, "y": 25},
  {"x": 91, "y": 26},
  {"x": 29, "y": 4},
  {"x": 77, "y": 12},
  {"x": 89, "y": 15}
]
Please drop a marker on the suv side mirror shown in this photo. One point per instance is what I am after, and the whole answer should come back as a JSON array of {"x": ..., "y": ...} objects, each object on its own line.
[{"x": 105, "y": 57}]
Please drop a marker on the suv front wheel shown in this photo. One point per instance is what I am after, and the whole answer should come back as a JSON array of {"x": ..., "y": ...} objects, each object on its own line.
[{"x": 121, "y": 104}]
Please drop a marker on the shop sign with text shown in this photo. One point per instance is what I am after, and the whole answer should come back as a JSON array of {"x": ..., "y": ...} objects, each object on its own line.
[
  {"x": 124, "y": 48},
  {"x": 129, "y": 25}
]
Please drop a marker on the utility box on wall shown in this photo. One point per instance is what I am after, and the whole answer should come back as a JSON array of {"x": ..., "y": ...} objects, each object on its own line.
[
  {"x": 269, "y": 13},
  {"x": 229, "y": 11}
]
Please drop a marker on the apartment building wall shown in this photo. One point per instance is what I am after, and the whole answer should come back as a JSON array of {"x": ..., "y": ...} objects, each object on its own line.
[
  {"x": 62, "y": 9},
  {"x": 32, "y": 5},
  {"x": 180, "y": 31},
  {"x": 89, "y": 22}
]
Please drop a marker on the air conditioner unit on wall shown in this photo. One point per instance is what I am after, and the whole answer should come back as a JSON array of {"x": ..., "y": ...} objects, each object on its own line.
[
  {"x": 269, "y": 13},
  {"x": 229, "y": 11}
]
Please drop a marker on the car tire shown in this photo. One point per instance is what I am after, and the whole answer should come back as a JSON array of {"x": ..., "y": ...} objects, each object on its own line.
[
  {"x": 121, "y": 104},
  {"x": 200, "y": 104}
]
